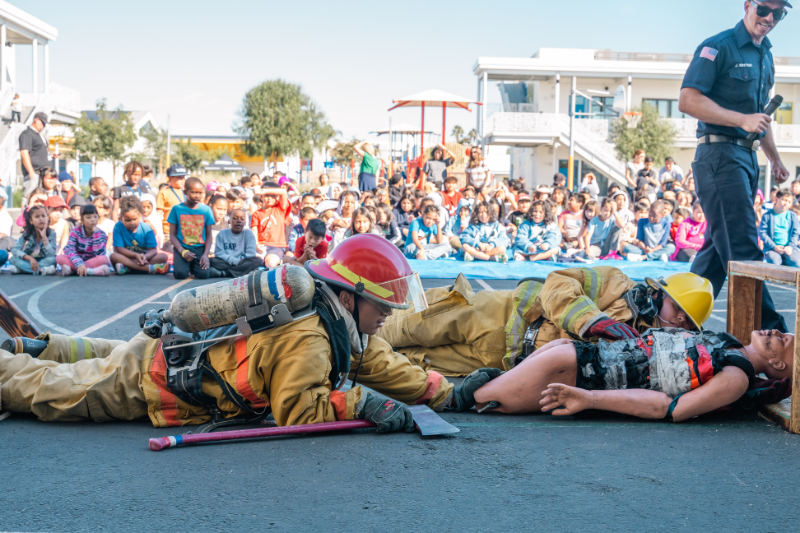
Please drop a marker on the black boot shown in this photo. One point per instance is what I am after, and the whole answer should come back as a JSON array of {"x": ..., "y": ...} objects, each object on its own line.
[{"x": 32, "y": 347}]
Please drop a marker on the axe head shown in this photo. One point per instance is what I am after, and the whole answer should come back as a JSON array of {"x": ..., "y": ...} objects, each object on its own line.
[{"x": 429, "y": 423}]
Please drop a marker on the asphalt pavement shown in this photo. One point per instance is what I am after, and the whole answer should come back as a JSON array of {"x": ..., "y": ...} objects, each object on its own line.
[{"x": 602, "y": 472}]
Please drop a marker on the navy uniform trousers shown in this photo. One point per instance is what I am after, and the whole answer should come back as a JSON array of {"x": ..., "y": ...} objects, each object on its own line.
[{"x": 726, "y": 179}]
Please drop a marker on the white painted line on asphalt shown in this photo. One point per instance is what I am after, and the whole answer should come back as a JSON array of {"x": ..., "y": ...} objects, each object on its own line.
[
  {"x": 484, "y": 285},
  {"x": 23, "y": 293},
  {"x": 33, "y": 307},
  {"x": 130, "y": 309},
  {"x": 161, "y": 302}
]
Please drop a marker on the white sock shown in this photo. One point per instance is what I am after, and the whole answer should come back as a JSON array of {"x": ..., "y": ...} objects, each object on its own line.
[{"x": 90, "y": 272}]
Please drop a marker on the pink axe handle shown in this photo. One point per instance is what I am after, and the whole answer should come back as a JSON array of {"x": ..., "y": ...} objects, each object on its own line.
[{"x": 161, "y": 443}]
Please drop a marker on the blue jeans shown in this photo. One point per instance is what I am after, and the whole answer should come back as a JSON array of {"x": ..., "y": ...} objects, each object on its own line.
[
  {"x": 791, "y": 259},
  {"x": 432, "y": 250},
  {"x": 668, "y": 249},
  {"x": 25, "y": 266}
]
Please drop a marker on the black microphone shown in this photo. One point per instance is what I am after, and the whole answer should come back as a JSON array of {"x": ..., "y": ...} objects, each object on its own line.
[{"x": 772, "y": 106}]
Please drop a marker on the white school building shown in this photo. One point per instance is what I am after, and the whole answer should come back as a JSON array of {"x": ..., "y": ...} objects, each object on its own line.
[{"x": 532, "y": 118}]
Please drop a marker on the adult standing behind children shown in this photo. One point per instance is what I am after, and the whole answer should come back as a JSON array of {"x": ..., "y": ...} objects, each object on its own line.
[
  {"x": 190, "y": 233},
  {"x": 169, "y": 197},
  {"x": 235, "y": 250},
  {"x": 33, "y": 153},
  {"x": 478, "y": 174},
  {"x": 270, "y": 221},
  {"x": 370, "y": 164}
]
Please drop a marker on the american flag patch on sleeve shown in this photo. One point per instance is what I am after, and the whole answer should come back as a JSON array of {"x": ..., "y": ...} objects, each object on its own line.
[{"x": 708, "y": 53}]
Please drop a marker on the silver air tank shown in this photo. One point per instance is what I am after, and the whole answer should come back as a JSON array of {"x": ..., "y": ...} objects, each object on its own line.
[{"x": 220, "y": 304}]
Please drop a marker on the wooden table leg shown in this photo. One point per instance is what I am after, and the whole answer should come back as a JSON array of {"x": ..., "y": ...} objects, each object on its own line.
[
  {"x": 744, "y": 306},
  {"x": 794, "y": 423}
]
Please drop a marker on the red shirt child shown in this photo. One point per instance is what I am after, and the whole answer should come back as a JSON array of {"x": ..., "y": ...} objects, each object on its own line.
[
  {"x": 320, "y": 250},
  {"x": 269, "y": 223},
  {"x": 450, "y": 196}
]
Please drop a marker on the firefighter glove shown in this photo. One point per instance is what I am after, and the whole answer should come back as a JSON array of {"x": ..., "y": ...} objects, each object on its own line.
[
  {"x": 464, "y": 395},
  {"x": 388, "y": 414},
  {"x": 612, "y": 330}
]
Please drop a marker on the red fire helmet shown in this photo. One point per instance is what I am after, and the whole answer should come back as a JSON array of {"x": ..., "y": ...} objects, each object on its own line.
[{"x": 374, "y": 268}]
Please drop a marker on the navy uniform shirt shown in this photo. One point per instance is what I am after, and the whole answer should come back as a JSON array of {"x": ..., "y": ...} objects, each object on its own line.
[{"x": 733, "y": 72}]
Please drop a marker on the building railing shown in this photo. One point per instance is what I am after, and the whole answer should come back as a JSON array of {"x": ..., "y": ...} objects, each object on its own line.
[{"x": 609, "y": 55}]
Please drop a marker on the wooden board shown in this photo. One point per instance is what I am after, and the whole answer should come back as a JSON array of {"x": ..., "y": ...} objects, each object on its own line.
[
  {"x": 779, "y": 413},
  {"x": 13, "y": 320},
  {"x": 761, "y": 270},
  {"x": 744, "y": 306},
  {"x": 794, "y": 426}
]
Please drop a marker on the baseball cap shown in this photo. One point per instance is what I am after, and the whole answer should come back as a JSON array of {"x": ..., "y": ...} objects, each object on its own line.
[
  {"x": 64, "y": 176},
  {"x": 213, "y": 185},
  {"x": 326, "y": 205},
  {"x": 77, "y": 200},
  {"x": 41, "y": 116},
  {"x": 176, "y": 170},
  {"x": 545, "y": 189},
  {"x": 523, "y": 196},
  {"x": 55, "y": 201}
]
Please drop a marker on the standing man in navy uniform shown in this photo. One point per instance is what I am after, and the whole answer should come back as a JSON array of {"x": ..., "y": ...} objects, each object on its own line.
[{"x": 726, "y": 88}]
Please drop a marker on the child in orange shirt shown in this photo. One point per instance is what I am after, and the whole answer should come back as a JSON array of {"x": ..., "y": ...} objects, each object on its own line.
[{"x": 269, "y": 223}]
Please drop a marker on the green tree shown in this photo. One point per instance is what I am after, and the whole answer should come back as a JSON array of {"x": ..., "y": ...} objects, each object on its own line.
[
  {"x": 458, "y": 134},
  {"x": 188, "y": 154},
  {"x": 343, "y": 152},
  {"x": 277, "y": 118},
  {"x": 472, "y": 137},
  {"x": 156, "y": 147},
  {"x": 107, "y": 136},
  {"x": 653, "y": 134}
]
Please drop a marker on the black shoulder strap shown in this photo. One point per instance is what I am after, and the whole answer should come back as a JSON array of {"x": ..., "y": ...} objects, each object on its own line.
[{"x": 340, "y": 339}]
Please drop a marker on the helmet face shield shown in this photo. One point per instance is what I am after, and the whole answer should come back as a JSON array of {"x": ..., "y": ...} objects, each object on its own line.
[{"x": 401, "y": 293}]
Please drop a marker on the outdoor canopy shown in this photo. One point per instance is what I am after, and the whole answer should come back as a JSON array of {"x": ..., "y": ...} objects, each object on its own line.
[
  {"x": 224, "y": 164},
  {"x": 434, "y": 98}
]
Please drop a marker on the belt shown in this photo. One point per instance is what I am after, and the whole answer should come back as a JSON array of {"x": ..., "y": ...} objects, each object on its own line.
[{"x": 715, "y": 139}]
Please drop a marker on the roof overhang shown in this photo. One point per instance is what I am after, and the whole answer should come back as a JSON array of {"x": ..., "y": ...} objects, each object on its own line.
[{"x": 23, "y": 28}]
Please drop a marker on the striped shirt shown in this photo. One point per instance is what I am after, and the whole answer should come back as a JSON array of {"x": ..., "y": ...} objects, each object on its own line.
[{"x": 81, "y": 248}]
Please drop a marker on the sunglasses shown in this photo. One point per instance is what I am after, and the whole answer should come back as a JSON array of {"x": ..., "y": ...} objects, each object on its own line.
[{"x": 764, "y": 11}]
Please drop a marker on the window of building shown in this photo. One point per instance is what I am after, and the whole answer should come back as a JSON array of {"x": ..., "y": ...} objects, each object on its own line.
[
  {"x": 604, "y": 111},
  {"x": 666, "y": 108}
]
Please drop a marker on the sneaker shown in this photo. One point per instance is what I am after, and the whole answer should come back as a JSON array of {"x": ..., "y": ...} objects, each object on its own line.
[
  {"x": 48, "y": 271},
  {"x": 519, "y": 257},
  {"x": 635, "y": 257},
  {"x": 13, "y": 269},
  {"x": 121, "y": 269},
  {"x": 502, "y": 258},
  {"x": 468, "y": 258},
  {"x": 66, "y": 270},
  {"x": 665, "y": 258},
  {"x": 99, "y": 271},
  {"x": 161, "y": 268}
]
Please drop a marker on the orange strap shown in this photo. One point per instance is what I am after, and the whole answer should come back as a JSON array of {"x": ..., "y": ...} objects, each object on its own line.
[
  {"x": 434, "y": 380},
  {"x": 339, "y": 403},
  {"x": 169, "y": 402},
  {"x": 242, "y": 366}
]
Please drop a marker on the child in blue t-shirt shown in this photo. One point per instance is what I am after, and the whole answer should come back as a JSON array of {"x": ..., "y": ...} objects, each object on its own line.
[
  {"x": 134, "y": 241},
  {"x": 652, "y": 237},
  {"x": 780, "y": 231},
  {"x": 424, "y": 240},
  {"x": 190, "y": 232}
]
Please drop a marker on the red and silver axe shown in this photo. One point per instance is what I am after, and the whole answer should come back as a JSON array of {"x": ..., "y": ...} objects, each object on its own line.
[{"x": 428, "y": 423}]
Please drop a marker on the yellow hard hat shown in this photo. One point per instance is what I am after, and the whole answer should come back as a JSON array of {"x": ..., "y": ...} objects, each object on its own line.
[{"x": 692, "y": 293}]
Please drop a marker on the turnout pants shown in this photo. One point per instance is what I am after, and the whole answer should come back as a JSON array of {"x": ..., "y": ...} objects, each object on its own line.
[
  {"x": 77, "y": 378},
  {"x": 726, "y": 178},
  {"x": 459, "y": 332}
]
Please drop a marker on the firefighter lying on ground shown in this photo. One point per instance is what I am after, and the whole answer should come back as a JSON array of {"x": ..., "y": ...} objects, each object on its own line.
[
  {"x": 286, "y": 369},
  {"x": 462, "y": 331},
  {"x": 667, "y": 373}
]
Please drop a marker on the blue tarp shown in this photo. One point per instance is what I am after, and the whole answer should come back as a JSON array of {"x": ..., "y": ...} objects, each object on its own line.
[{"x": 450, "y": 269}]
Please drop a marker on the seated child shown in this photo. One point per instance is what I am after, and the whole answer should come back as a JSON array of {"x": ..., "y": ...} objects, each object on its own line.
[
  {"x": 219, "y": 206},
  {"x": 103, "y": 205},
  {"x": 235, "y": 252},
  {"x": 425, "y": 240},
  {"x": 388, "y": 225},
  {"x": 35, "y": 251},
  {"x": 360, "y": 222},
  {"x": 85, "y": 252},
  {"x": 405, "y": 213},
  {"x": 780, "y": 231},
  {"x": 153, "y": 218},
  {"x": 190, "y": 232},
  {"x": 678, "y": 216},
  {"x": 570, "y": 222},
  {"x": 652, "y": 237},
  {"x": 307, "y": 214},
  {"x": 485, "y": 239},
  {"x": 538, "y": 236},
  {"x": 597, "y": 234},
  {"x": 269, "y": 223},
  {"x": 311, "y": 245},
  {"x": 97, "y": 188},
  {"x": 56, "y": 207},
  {"x": 691, "y": 235},
  {"x": 135, "y": 246}
]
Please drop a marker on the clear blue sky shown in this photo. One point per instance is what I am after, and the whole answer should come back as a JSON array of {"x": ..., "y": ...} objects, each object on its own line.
[{"x": 196, "y": 59}]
